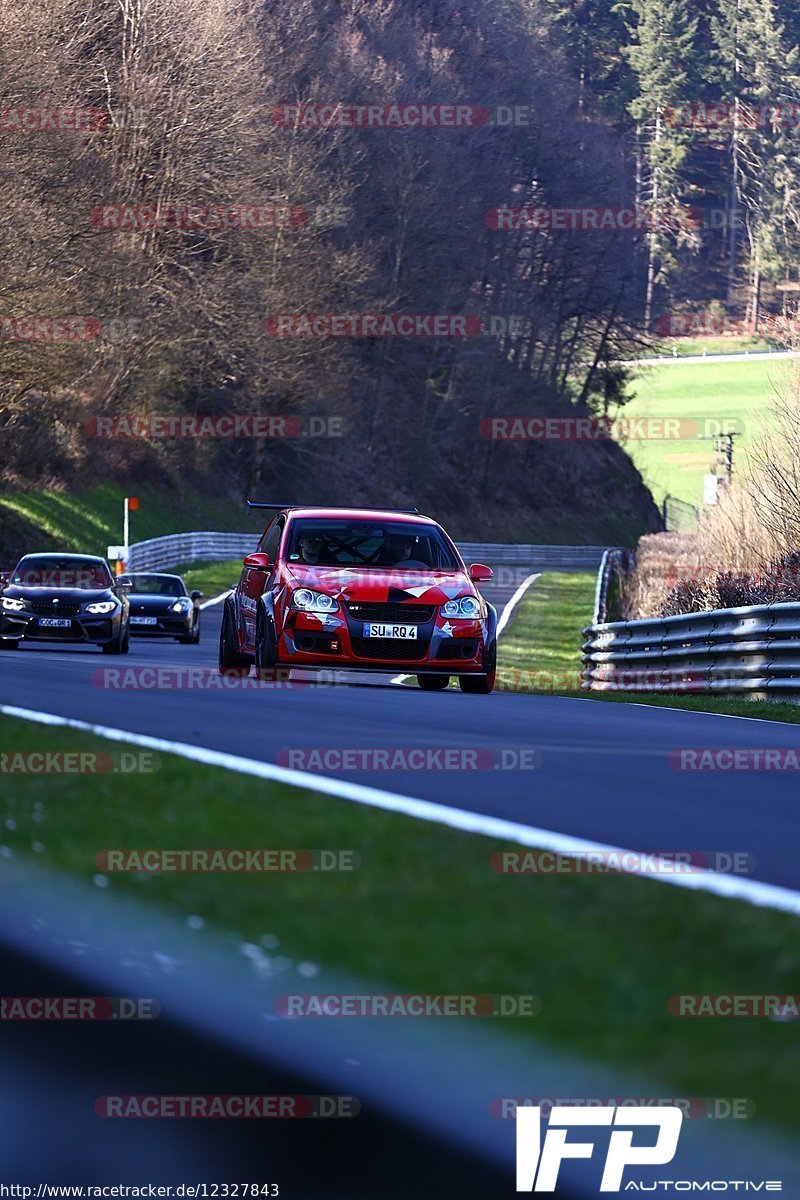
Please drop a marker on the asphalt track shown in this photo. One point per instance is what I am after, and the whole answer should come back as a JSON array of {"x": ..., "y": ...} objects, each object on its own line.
[{"x": 604, "y": 773}]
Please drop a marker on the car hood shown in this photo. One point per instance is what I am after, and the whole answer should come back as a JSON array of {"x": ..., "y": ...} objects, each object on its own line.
[
  {"x": 66, "y": 595},
  {"x": 434, "y": 587}
]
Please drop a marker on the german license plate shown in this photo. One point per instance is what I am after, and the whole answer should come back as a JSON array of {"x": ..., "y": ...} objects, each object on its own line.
[
  {"x": 144, "y": 620},
  {"x": 375, "y": 630},
  {"x": 54, "y": 622}
]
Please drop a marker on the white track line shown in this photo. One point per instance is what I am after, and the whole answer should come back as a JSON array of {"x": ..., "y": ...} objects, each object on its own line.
[
  {"x": 763, "y": 895},
  {"x": 514, "y": 601},
  {"x": 217, "y": 599},
  {"x": 504, "y": 618}
]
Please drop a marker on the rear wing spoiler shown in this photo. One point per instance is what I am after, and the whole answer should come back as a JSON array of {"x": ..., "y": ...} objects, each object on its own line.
[{"x": 348, "y": 507}]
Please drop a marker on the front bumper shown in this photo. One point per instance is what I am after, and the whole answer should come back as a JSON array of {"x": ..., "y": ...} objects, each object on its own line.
[
  {"x": 440, "y": 647},
  {"x": 171, "y": 626},
  {"x": 86, "y": 628}
]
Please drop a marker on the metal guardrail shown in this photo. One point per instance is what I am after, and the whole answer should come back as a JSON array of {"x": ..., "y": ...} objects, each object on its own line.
[
  {"x": 206, "y": 546},
  {"x": 754, "y": 650}
]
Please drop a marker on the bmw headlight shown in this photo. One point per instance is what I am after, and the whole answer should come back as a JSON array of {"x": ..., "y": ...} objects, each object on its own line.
[
  {"x": 307, "y": 601},
  {"x": 13, "y": 605},
  {"x": 181, "y": 606},
  {"x": 101, "y": 606},
  {"x": 467, "y": 606}
]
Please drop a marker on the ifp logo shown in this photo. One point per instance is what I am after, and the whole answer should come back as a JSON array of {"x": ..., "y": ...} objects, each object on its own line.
[{"x": 538, "y": 1165}]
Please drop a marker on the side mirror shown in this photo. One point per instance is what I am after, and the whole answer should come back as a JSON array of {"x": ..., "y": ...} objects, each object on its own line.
[
  {"x": 479, "y": 573},
  {"x": 257, "y": 562},
  {"x": 196, "y": 595},
  {"x": 4, "y": 578}
]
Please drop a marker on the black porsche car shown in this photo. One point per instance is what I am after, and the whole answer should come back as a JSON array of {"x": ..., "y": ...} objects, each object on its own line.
[
  {"x": 162, "y": 607},
  {"x": 64, "y": 598}
]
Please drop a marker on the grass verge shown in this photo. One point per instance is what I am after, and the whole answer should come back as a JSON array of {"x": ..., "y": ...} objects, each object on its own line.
[
  {"x": 541, "y": 652},
  {"x": 88, "y": 522},
  {"x": 210, "y": 578},
  {"x": 426, "y": 913}
]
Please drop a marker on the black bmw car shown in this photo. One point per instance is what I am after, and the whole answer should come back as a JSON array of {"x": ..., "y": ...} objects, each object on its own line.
[
  {"x": 162, "y": 607},
  {"x": 64, "y": 598}
]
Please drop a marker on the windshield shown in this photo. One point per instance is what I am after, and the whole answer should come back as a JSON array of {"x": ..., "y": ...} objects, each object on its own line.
[
  {"x": 369, "y": 544},
  {"x": 157, "y": 585},
  {"x": 62, "y": 572}
]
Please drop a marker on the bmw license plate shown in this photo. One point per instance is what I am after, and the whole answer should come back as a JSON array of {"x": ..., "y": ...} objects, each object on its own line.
[
  {"x": 372, "y": 629},
  {"x": 54, "y": 622},
  {"x": 144, "y": 620}
]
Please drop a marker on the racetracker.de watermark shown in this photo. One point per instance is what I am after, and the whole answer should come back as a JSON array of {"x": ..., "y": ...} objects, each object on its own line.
[
  {"x": 405, "y": 1005},
  {"x": 133, "y": 218},
  {"x": 158, "y": 427},
  {"x": 78, "y": 1008},
  {"x": 593, "y": 219},
  {"x": 610, "y": 862},
  {"x": 409, "y": 758},
  {"x": 392, "y": 325},
  {"x": 419, "y": 115},
  {"x": 600, "y": 429},
  {"x": 227, "y": 861},
  {"x": 728, "y": 1004},
  {"x": 694, "y": 1108},
  {"x": 43, "y": 119},
  {"x": 200, "y": 679},
  {"x": 78, "y": 762},
  {"x": 736, "y": 758},
  {"x": 50, "y": 329},
  {"x": 204, "y": 1107},
  {"x": 724, "y": 115}
]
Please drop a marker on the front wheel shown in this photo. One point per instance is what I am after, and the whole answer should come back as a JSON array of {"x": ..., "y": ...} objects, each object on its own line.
[
  {"x": 266, "y": 650},
  {"x": 481, "y": 685},
  {"x": 231, "y": 661},
  {"x": 433, "y": 683},
  {"x": 192, "y": 638},
  {"x": 120, "y": 644},
  {"x": 8, "y": 644}
]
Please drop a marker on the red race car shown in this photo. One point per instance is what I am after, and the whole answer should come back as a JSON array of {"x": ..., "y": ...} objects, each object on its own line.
[{"x": 361, "y": 589}]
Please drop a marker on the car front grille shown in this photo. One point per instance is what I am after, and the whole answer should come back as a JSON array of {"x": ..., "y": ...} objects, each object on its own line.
[
  {"x": 46, "y": 608},
  {"x": 393, "y": 614},
  {"x": 391, "y": 649}
]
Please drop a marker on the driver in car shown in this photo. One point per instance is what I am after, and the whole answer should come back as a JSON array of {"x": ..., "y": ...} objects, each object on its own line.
[
  {"x": 400, "y": 550},
  {"x": 310, "y": 546}
]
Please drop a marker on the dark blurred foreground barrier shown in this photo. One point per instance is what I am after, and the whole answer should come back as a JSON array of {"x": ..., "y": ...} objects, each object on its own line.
[
  {"x": 753, "y": 650},
  {"x": 426, "y": 1088}
]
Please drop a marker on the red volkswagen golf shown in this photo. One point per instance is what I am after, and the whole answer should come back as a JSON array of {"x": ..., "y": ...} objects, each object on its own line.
[{"x": 362, "y": 589}]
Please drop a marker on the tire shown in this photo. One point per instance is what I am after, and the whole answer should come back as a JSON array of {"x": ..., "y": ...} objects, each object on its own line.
[
  {"x": 266, "y": 651},
  {"x": 433, "y": 683},
  {"x": 9, "y": 645},
  {"x": 231, "y": 661},
  {"x": 194, "y": 637},
  {"x": 481, "y": 685},
  {"x": 120, "y": 644}
]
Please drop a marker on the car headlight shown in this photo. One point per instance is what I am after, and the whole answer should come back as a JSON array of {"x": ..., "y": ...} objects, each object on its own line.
[
  {"x": 181, "y": 606},
  {"x": 308, "y": 601},
  {"x": 101, "y": 606},
  {"x": 13, "y": 605},
  {"x": 467, "y": 606}
]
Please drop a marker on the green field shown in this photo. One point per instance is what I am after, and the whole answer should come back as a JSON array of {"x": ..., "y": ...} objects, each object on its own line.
[
  {"x": 738, "y": 390},
  {"x": 426, "y": 913}
]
